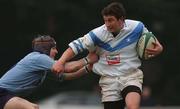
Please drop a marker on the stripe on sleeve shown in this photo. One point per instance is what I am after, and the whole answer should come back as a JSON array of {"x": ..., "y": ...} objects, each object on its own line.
[{"x": 76, "y": 46}]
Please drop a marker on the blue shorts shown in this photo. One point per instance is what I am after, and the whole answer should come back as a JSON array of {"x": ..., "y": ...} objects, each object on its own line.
[{"x": 5, "y": 96}]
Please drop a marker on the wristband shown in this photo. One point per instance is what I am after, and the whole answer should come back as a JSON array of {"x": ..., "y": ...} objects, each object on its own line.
[
  {"x": 86, "y": 60},
  {"x": 86, "y": 69}
]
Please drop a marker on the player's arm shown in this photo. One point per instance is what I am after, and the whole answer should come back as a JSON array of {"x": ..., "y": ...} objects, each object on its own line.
[
  {"x": 158, "y": 48},
  {"x": 76, "y": 65},
  {"x": 79, "y": 73},
  {"x": 59, "y": 65},
  {"x": 66, "y": 56},
  {"x": 75, "y": 47},
  {"x": 73, "y": 75},
  {"x": 73, "y": 66}
]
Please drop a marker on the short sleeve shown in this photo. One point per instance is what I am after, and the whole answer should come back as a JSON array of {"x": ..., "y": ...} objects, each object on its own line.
[{"x": 44, "y": 62}]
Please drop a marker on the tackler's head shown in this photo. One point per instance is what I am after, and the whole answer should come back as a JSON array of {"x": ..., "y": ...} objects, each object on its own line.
[{"x": 43, "y": 44}]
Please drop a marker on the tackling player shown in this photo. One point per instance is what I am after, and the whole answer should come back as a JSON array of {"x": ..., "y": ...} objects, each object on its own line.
[{"x": 30, "y": 72}]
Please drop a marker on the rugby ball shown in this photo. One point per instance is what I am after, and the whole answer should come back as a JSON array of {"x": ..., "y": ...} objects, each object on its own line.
[{"x": 145, "y": 42}]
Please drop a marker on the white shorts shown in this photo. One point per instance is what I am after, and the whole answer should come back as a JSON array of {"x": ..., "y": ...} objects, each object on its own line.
[{"x": 111, "y": 87}]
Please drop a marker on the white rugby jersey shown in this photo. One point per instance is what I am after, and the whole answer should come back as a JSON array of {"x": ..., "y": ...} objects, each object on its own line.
[{"x": 117, "y": 55}]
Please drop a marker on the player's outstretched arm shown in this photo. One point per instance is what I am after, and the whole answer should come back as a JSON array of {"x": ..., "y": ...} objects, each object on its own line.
[
  {"x": 76, "y": 65},
  {"x": 58, "y": 67},
  {"x": 73, "y": 75}
]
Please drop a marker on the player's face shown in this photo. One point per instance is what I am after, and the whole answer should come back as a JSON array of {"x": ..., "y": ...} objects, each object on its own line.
[
  {"x": 113, "y": 24},
  {"x": 53, "y": 52}
]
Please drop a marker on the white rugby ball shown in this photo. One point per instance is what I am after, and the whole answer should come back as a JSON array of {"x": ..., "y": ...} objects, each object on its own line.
[{"x": 145, "y": 42}]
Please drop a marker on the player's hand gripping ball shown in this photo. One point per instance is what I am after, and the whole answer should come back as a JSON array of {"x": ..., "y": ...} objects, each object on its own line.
[{"x": 145, "y": 42}]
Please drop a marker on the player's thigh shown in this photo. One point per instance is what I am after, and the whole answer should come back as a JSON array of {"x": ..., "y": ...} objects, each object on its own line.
[
  {"x": 110, "y": 89},
  {"x": 20, "y": 103}
]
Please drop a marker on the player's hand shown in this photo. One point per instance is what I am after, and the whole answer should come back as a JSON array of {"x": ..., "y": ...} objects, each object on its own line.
[
  {"x": 58, "y": 67},
  {"x": 92, "y": 57},
  {"x": 156, "y": 50}
]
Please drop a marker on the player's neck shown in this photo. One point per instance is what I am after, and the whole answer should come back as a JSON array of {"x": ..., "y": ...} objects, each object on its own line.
[{"x": 115, "y": 33}]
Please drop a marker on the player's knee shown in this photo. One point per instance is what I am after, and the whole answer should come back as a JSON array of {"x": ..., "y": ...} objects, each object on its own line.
[
  {"x": 32, "y": 106},
  {"x": 35, "y": 106}
]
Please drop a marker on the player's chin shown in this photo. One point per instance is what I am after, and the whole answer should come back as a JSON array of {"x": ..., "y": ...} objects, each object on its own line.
[{"x": 110, "y": 29}]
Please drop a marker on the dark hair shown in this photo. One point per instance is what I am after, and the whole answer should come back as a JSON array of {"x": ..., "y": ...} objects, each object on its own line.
[
  {"x": 43, "y": 44},
  {"x": 114, "y": 9}
]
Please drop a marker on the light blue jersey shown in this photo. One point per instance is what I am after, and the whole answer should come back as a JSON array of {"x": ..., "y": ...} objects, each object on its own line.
[{"x": 27, "y": 74}]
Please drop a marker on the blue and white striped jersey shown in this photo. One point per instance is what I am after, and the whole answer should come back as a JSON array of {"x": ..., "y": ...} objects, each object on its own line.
[{"x": 118, "y": 54}]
